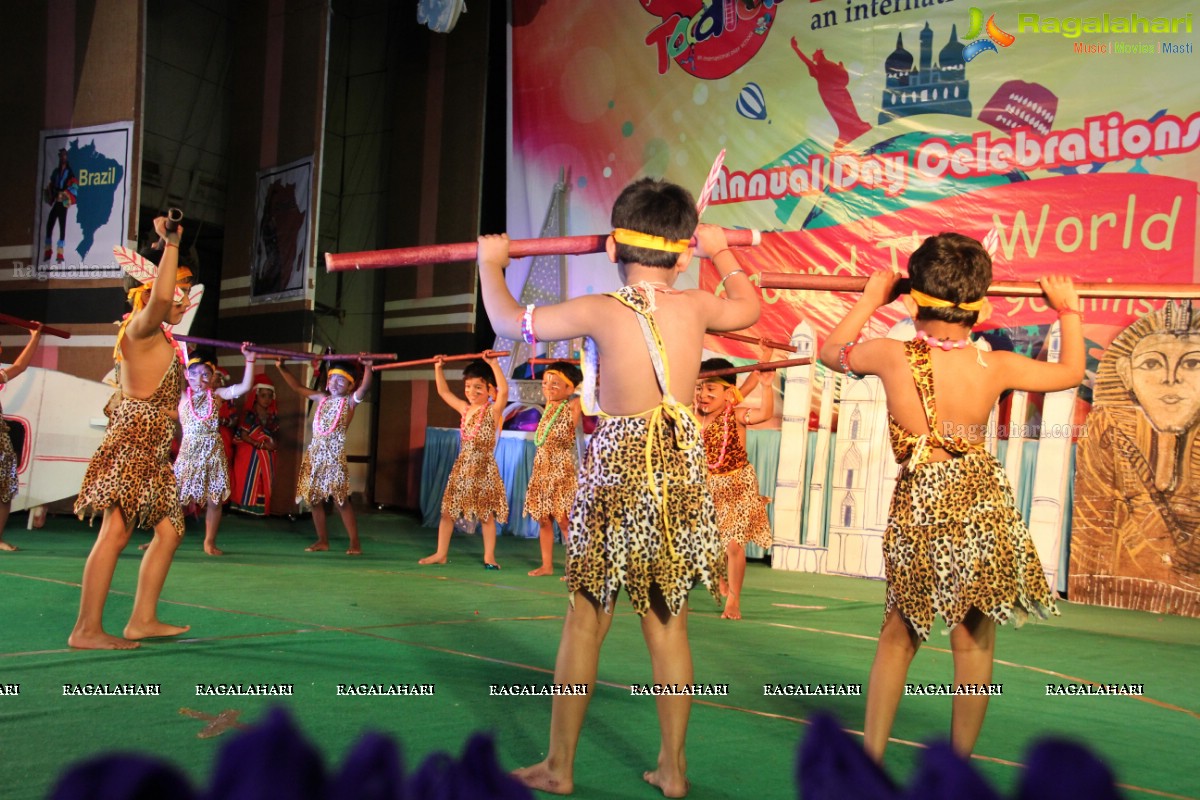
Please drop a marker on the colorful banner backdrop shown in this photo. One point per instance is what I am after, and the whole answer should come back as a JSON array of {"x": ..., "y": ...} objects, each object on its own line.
[
  {"x": 82, "y": 208},
  {"x": 1062, "y": 134},
  {"x": 283, "y": 236}
]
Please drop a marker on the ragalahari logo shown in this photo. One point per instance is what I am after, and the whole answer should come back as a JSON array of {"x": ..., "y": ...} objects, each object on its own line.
[{"x": 995, "y": 36}]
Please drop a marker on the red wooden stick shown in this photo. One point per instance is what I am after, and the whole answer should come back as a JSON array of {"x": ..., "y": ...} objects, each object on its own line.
[
  {"x": 422, "y": 361},
  {"x": 286, "y": 355},
  {"x": 846, "y": 283},
  {"x": 791, "y": 362},
  {"x": 741, "y": 337},
  {"x": 467, "y": 251},
  {"x": 26, "y": 324},
  {"x": 552, "y": 360}
]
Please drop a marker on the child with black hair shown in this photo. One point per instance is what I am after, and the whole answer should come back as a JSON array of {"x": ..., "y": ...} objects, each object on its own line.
[
  {"x": 323, "y": 471},
  {"x": 201, "y": 468},
  {"x": 955, "y": 544},
  {"x": 741, "y": 510},
  {"x": 474, "y": 490},
  {"x": 642, "y": 518},
  {"x": 554, "y": 479}
]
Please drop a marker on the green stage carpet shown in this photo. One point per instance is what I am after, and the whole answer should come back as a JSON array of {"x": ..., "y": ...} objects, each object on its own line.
[{"x": 270, "y": 613}]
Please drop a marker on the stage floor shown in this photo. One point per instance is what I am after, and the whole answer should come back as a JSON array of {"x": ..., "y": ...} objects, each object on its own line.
[{"x": 268, "y": 612}]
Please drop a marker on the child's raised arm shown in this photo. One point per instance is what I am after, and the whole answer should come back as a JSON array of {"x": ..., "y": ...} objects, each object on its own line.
[
  {"x": 879, "y": 291},
  {"x": 501, "y": 387},
  {"x": 22, "y": 362},
  {"x": 739, "y": 308},
  {"x": 765, "y": 379},
  {"x": 294, "y": 384},
  {"x": 1040, "y": 376},
  {"x": 233, "y": 392},
  {"x": 362, "y": 390},
  {"x": 443, "y": 388}
]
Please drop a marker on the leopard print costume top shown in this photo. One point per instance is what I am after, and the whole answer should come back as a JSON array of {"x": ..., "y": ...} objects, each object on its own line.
[
  {"x": 8, "y": 462},
  {"x": 131, "y": 469},
  {"x": 643, "y": 515},
  {"x": 474, "y": 489},
  {"x": 323, "y": 472},
  {"x": 955, "y": 540},
  {"x": 723, "y": 436},
  {"x": 554, "y": 478},
  {"x": 201, "y": 468}
]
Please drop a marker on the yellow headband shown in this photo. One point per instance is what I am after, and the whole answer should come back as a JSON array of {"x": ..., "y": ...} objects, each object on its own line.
[
  {"x": 560, "y": 374},
  {"x": 738, "y": 397},
  {"x": 638, "y": 239},
  {"x": 929, "y": 301},
  {"x": 342, "y": 372},
  {"x": 194, "y": 360}
]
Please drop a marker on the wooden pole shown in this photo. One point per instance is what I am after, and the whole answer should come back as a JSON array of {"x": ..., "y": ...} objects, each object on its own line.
[
  {"x": 27, "y": 325},
  {"x": 741, "y": 337},
  {"x": 467, "y": 251},
  {"x": 423, "y": 361},
  {"x": 765, "y": 365},
  {"x": 1086, "y": 289}
]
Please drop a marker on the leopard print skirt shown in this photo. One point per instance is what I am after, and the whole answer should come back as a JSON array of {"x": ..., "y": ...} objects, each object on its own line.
[
  {"x": 201, "y": 469},
  {"x": 323, "y": 471},
  {"x": 955, "y": 541},
  {"x": 741, "y": 510},
  {"x": 131, "y": 469},
  {"x": 474, "y": 490},
  {"x": 552, "y": 483},
  {"x": 8, "y": 466},
  {"x": 620, "y": 532}
]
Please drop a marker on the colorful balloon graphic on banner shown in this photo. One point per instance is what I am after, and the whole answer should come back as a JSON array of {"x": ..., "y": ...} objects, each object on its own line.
[{"x": 751, "y": 103}]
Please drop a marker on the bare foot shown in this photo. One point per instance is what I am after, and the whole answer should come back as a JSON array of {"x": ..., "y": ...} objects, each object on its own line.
[
  {"x": 540, "y": 777},
  {"x": 540, "y": 571},
  {"x": 318, "y": 547},
  {"x": 354, "y": 551},
  {"x": 433, "y": 559},
  {"x": 143, "y": 546},
  {"x": 563, "y": 579},
  {"x": 8, "y": 548},
  {"x": 733, "y": 608},
  {"x": 99, "y": 641},
  {"x": 154, "y": 630},
  {"x": 213, "y": 550},
  {"x": 674, "y": 785}
]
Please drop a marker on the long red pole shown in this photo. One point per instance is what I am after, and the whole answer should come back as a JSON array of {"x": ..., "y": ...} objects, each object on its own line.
[
  {"x": 422, "y": 361},
  {"x": 467, "y": 251},
  {"x": 26, "y": 324},
  {"x": 764, "y": 365},
  {"x": 741, "y": 337},
  {"x": 291, "y": 355},
  {"x": 847, "y": 283}
]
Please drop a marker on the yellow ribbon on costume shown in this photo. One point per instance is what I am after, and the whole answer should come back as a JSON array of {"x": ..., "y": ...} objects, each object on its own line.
[
  {"x": 929, "y": 301},
  {"x": 343, "y": 373},
  {"x": 639, "y": 239},
  {"x": 671, "y": 408}
]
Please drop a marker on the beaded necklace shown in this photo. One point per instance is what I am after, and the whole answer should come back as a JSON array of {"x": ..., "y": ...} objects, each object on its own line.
[
  {"x": 317, "y": 429},
  {"x": 539, "y": 438},
  {"x": 726, "y": 415},
  {"x": 478, "y": 423},
  {"x": 212, "y": 406},
  {"x": 945, "y": 344}
]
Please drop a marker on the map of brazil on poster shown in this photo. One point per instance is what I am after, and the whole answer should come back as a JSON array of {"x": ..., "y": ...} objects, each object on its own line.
[{"x": 82, "y": 207}]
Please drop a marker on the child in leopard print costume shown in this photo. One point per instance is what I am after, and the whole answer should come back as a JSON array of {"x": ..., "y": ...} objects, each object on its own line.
[
  {"x": 554, "y": 479},
  {"x": 8, "y": 457},
  {"x": 474, "y": 490},
  {"x": 323, "y": 472},
  {"x": 741, "y": 510},
  {"x": 955, "y": 544},
  {"x": 643, "y": 517},
  {"x": 129, "y": 479}
]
